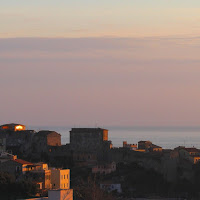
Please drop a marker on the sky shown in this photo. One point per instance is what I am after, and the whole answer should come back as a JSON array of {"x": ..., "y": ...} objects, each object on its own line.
[
  {"x": 100, "y": 63},
  {"x": 89, "y": 18}
]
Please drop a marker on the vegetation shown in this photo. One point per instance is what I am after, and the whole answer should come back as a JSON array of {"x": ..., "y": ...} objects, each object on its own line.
[
  {"x": 9, "y": 189},
  {"x": 90, "y": 191}
]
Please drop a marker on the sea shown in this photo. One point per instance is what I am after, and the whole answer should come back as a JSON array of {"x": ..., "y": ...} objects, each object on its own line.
[{"x": 166, "y": 137}]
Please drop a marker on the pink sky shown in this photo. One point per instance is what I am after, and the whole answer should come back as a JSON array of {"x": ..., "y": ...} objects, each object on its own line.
[{"x": 104, "y": 81}]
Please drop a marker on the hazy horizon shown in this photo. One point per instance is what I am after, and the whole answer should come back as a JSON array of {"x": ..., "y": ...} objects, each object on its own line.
[
  {"x": 104, "y": 81},
  {"x": 126, "y": 63}
]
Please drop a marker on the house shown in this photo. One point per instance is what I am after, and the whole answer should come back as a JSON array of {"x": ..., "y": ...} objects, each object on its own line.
[
  {"x": 192, "y": 151},
  {"x": 60, "y": 178},
  {"x": 144, "y": 144},
  {"x": 187, "y": 152},
  {"x": 41, "y": 166},
  {"x": 155, "y": 148},
  {"x": 89, "y": 145},
  {"x": 104, "y": 168},
  {"x": 149, "y": 146},
  {"x": 52, "y": 138},
  {"x": 16, "y": 167},
  {"x": 88, "y": 139},
  {"x": 129, "y": 146},
  {"x": 194, "y": 159},
  {"x": 42, "y": 178},
  {"x": 13, "y": 127},
  {"x": 190, "y": 154},
  {"x": 56, "y": 181},
  {"x": 42, "y": 142}
]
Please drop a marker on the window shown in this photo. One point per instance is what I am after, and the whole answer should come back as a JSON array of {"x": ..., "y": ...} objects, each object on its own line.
[
  {"x": 64, "y": 176},
  {"x": 64, "y": 185},
  {"x": 67, "y": 176}
]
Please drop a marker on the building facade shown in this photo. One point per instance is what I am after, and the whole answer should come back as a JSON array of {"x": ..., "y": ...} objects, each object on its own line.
[{"x": 60, "y": 178}]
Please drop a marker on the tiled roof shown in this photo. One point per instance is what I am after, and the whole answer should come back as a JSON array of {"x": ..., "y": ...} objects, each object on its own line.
[{"x": 23, "y": 162}]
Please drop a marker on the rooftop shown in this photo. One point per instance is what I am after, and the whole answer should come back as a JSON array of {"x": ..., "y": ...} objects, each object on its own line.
[
  {"x": 12, "y": 124},
  {"x": 145, "y": 141},
  {"x": 155, "y": 146},
  {"x": 46, "y": 132},
  {"x": 192, "y": 150},
  {"x": 88, "y": 129},
  {"x": 23, "y": 162}
]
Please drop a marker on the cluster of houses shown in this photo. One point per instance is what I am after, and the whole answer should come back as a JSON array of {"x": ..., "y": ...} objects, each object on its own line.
[
  {"x": 54, "y": 181},
  {"x": 189, "y": 154},
  {"x": 40, "y": 174},
  {"x": 143, "y": 146},
  {"x": 89, "y": 147}
]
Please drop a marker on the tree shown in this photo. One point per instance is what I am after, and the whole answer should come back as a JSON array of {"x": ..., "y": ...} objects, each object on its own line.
[{"x": 90, "y": 191}]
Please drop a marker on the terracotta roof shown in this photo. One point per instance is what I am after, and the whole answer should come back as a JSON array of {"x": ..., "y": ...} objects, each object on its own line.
[{"x": 23, "y": 162}]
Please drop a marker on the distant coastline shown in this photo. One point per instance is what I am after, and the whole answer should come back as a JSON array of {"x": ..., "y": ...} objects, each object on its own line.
[{"x": 168, "y": 137}]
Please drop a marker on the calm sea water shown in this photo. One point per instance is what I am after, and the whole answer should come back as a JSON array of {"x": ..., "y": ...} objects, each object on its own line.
[{"x": 167, "y": 137}]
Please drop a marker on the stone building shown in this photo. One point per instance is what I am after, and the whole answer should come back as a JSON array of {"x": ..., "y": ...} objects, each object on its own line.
[
  {"x": 42, "y": 143},
  {"x": 50, "y": 138},
  {"x": 144, "y": 144},
  {"x": 13, "y": 127},
  {"x": 60, "y": 178},
  {"x": 28, "y": 144},
  {"x": 89, "y": 145},
  {"x": 155, "y": 148},
  {"x": 41, "y": 176},
  {"x": 19, "y": 143},
  {"x": 148, "y": 146},
  {"x": 129, "y": 146},
  {"x": 90, "y": 139},
  {"x": 16, "y": 167}
]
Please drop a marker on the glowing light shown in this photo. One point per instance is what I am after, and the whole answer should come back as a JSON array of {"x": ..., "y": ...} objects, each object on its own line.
[
  {"x": 5, "y": 127},
  {"x": 19, "y": 128}
]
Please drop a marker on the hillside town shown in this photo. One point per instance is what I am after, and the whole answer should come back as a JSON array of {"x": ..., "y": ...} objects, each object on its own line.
[{"x": 37, "y": 166}]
